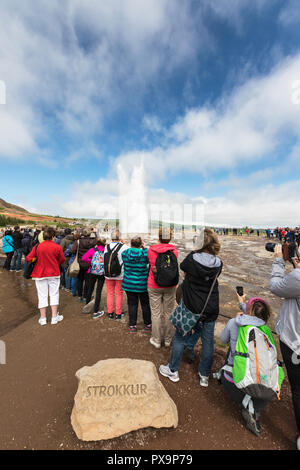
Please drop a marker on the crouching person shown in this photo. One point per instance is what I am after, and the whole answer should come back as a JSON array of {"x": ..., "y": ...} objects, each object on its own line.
[{"x": 251, "y": 376}]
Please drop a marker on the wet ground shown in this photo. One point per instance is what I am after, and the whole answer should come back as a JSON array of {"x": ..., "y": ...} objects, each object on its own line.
[{"x": 38, "y": 381}]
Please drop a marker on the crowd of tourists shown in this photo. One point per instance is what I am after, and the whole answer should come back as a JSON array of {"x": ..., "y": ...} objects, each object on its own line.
[{"x": 175, "y": 314}]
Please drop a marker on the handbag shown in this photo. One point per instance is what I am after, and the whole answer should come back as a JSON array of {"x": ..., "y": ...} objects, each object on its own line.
[
  {"x": 30, "y": 266},
  {"x": 183, "y": 319},
  {"x": 74, "y": 267}
]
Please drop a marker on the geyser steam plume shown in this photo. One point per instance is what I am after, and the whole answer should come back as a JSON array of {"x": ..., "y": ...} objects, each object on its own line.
[{"x": 133, "y": 213}]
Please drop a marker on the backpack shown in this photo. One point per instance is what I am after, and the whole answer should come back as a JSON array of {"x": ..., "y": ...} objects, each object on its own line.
[
  {"x": 112, "y": 266},
  {"x": 165, "y": 271},
  {"x": 256, "y": 370},
  {"x": 97, "y": 263}
]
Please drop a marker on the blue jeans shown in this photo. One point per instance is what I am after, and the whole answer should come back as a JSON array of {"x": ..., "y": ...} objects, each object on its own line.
[
  {"x": 74, "y": 282},
  {"x": 68, "y": 280},
  {"x": 17, "y": 258},
  {"x": 205, "y": 331}
]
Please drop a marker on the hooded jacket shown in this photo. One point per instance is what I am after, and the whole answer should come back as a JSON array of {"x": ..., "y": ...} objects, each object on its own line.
[
  {"x": 201, "y": 270},
  {"x": 136, "y": 267},
  {"x": 231, "y": 332},
  {"x": 152, "y": 255},
  {"x": 26, "y": 243}
]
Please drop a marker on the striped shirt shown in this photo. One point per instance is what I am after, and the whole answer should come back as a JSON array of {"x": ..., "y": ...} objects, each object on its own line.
[{"x": 135, "y": 270}]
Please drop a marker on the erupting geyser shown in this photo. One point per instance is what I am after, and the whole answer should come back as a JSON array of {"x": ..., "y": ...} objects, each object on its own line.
[{"x": 133, "y": 213}]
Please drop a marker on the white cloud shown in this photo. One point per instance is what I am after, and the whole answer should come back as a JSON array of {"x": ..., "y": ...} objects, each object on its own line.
[
  {"x": 245, "y": 127},
  {"x": 70, "y": 68},
  {"x": 265, "y": 206}
]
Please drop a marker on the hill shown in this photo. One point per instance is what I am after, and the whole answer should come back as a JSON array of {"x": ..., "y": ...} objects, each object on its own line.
[{"x": 11, "y": 208}]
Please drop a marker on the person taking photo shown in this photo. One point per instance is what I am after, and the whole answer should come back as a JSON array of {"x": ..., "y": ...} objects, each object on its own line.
[{"x": 288, "y": 323}]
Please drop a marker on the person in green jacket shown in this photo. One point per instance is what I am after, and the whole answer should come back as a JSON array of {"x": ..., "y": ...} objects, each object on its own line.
[{"x": 134, "y": 283}]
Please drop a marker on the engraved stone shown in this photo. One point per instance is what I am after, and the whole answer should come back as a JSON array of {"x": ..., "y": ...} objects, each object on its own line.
[{"x": 116, "y": 396}]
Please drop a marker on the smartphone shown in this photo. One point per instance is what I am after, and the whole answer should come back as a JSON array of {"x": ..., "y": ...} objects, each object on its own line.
[{"x": 240, "y": 290}]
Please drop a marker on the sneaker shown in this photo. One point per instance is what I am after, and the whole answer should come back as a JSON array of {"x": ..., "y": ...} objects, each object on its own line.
[
  {"x": 56, "y": 319},
  {"x": 132, "y": 329},
  {"x": 118, "y": 317},
  {"x": 123, "y": 314},
  {"x": 111, "y": 316},
  {"x": 252, "y": 422},
  {"x": 167, "y": 344},
  {"x": 203, "y": 380},
  {"x": 157, "y": 346},
  {"x": 43, "y": 321},
  {"x": 148, "y": 328},
  {"x": 166, "y": 372},
  {"x": 298, "y": 443},
  {"x": 18, "y": 270},
  {"x": 189, "y": 355},
  {"x": 79, "y": 299},
  {"x": 98, "y": 315}
]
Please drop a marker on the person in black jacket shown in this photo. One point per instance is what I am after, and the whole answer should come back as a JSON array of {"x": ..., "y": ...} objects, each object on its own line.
[
  {"x": 201, "y": 268},
  {"x": 17, "y": 258},
  {"x": 85, "y": 243}
]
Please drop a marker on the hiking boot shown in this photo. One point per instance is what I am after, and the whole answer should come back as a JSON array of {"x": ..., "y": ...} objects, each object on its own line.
[
  {"x": 132, "y": 329},
  {"x": 111, "y": 316},
  {"x": 203, "y": 380},
  {"x": 56, "y": 319},
  {"x": 98, "y": 315},
  {"x": 43, "y": 321},
  {"x": 166, "y": 372},
  {"x": 252, "y": 423},
  {"x": 157, "y": 346},
  {"x": 189, "y": 355}
]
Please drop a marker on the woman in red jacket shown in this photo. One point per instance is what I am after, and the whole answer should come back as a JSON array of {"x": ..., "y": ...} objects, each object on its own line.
[{"x": 46, "y": 275}]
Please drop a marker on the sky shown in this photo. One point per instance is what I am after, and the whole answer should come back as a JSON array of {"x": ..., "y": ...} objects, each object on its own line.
[{"x": 205, "y": 92}]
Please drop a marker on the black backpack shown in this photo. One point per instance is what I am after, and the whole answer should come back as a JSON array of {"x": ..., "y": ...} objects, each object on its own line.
[
  {"x": 112, "y": 266},
  {"x": 165, "y": 271}
]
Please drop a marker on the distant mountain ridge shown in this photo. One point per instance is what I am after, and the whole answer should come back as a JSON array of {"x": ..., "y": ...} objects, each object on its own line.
[{"x": 11, "y": 207}]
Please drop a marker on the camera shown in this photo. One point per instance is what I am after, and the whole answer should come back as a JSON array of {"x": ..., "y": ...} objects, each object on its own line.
[{"x": 290, "y": 251}]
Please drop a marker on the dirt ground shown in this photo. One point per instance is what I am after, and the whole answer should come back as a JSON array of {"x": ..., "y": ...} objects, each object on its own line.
[{"x": 38, "y": 384}]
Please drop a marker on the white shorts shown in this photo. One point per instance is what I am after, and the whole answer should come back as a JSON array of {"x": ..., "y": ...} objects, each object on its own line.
[{"x": 47, "y": 287}]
